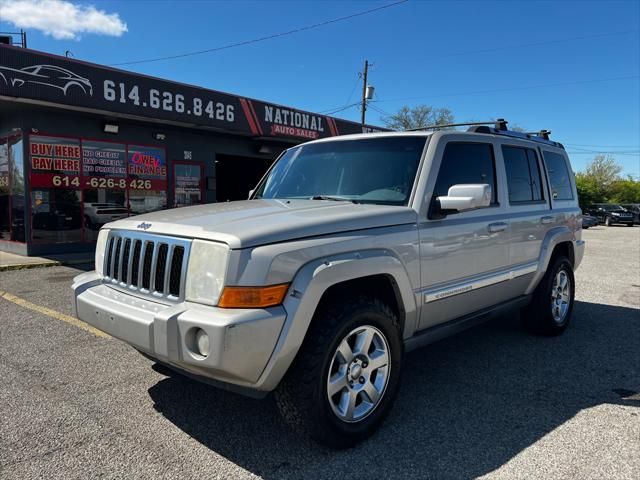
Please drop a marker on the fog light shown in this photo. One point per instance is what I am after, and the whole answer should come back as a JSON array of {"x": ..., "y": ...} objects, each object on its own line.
[{"x": 202, "y": 342}]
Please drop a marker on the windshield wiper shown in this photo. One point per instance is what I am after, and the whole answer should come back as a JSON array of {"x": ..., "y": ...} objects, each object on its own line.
[{"x": 335, "y": 198}]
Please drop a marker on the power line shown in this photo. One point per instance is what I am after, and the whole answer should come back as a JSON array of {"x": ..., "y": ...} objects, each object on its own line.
[
  {"x": 262, "y": 39},
  {"x": 522, "y": 45},
  {"x": 601, "y": 146},
  {"x": 542, "y": 85},
  {"x": 482, "y": 92},
  {"x": 331, "y": 111}
]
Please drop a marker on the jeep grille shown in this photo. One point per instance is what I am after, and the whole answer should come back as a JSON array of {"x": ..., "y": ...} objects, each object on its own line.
[{"x": 145, "y": 264}]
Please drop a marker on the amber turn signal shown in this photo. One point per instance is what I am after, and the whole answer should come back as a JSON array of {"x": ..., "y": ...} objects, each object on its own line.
[{"x": 253, "y": 297}]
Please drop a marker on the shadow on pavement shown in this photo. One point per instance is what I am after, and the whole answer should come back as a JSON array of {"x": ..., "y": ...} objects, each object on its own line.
[{"x": 467, "y": 404}]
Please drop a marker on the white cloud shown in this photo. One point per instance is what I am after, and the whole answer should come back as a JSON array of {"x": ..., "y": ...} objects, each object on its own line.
[{"x": 61, "y": 19}]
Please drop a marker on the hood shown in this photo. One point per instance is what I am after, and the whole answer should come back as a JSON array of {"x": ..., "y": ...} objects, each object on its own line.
[{"x": 250, "y": 223}]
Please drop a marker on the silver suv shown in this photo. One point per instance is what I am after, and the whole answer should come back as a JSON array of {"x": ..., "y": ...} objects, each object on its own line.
[{"x": 350, "y": 252}]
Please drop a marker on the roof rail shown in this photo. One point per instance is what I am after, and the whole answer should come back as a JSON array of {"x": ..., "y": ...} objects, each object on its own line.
[
  {"x": 499, "y": 124},
  {"x": 541, "y": 137}
]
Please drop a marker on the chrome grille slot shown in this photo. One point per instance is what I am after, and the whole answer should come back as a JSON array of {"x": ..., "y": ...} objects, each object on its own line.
[{"x": 147, "y": 265}]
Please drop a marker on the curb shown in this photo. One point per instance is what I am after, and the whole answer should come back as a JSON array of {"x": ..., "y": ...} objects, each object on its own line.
[{"x": 51, "y": 263}]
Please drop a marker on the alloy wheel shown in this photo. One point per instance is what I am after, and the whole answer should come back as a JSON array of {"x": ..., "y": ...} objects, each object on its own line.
[
  {"x": 560, "y": 296},
  {"x": 358, "y": 374}
]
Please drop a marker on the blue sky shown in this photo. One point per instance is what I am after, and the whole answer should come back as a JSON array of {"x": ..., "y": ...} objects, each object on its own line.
[{"x": 474, "y": 58}]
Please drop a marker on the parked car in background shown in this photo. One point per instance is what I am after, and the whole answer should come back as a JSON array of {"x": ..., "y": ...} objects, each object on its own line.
[
  {"x": 611, "y": 214},
  {"x": 97, "y": 214},
  {"x": 635, "y": 209},
  {"x": 589, "y": 221}
]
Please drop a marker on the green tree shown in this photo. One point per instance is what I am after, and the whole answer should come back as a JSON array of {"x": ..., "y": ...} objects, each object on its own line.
[
  {"x": 418, "y": 117},
  {"x": 601, "y": 183},
  {"x": 625, "y": 191},
  {"x": 604, "y": 170}
]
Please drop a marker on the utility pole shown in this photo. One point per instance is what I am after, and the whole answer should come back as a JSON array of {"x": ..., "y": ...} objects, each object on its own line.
[{"x": 364, "y": 91}]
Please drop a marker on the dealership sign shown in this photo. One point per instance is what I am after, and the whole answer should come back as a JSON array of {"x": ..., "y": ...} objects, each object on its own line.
[{"x": 34, "y": 76}]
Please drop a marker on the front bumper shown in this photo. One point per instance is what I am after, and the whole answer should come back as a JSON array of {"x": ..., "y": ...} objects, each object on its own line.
[{"x": 241, "y": 340}]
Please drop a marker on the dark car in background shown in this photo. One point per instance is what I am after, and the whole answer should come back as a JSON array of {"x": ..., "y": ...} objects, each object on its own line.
[
  {"x": 589, "y": 221},
  {"x": 611, "y": 214},
  {"x": 635, "y": 209}
]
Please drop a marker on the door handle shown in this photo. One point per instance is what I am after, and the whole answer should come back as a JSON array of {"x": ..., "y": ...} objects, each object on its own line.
[
  {"x": 497, "y": 227},
  {"x": 546, "y": 220}
]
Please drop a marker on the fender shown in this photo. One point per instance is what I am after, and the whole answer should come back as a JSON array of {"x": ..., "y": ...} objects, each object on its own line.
[
  {"x": 554, "y": 237},
  {"x": 307, "y": 288}
]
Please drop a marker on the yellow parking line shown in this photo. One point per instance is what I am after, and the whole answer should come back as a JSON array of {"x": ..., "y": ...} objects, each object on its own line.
[{"x": 53, "y": 314}]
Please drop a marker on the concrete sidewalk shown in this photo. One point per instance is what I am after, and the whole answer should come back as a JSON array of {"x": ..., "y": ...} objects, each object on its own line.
[{"x": 13, "y": 261}]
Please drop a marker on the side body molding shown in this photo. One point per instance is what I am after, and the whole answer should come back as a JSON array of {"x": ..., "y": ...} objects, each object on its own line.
[
  {"x": 307, "y": 289},
  {"x": 554, "y": 237}
]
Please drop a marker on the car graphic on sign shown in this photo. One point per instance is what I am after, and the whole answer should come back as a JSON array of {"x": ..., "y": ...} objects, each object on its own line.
[{"x": 47, "y": 75}]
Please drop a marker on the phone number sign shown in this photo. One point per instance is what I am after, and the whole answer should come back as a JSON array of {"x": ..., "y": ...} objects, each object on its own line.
[{"x": 36, "y": 76}]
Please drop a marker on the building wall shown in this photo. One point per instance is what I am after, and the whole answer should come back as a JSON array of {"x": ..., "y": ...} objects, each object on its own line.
[{"x": 201, "y": 146}]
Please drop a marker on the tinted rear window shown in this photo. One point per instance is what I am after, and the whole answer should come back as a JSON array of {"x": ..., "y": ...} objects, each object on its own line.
[
  {"x": 523, "y": 175},
  {"x": 558, "y": 176}
]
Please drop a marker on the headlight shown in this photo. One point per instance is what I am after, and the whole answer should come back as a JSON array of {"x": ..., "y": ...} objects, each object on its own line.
[
  {"x": 206, "y": 271},
  {"x": 615, "y": 214},
  {"x": 101, "y": 246}
]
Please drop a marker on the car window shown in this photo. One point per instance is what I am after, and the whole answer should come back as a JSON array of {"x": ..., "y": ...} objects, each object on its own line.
[
  {"x": 523, "y": 175},
  {"x": 558, "y": 176},
  {"x": 466, "y": 163},
  {"x": 373, "y": 170}
]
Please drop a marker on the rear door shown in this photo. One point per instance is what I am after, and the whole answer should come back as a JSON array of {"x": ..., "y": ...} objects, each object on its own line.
[
  {"x": 562, "y": 189},
  {"x": 529, "y": 206}
]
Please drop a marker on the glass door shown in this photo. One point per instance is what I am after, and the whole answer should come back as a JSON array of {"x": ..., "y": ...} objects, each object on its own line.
[{"x": 187, "y": 181}]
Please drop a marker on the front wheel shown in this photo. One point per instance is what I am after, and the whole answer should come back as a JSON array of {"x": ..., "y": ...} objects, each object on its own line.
[
  {"x": 345, "y": 378},
  {"x": 607, "y": 221}
]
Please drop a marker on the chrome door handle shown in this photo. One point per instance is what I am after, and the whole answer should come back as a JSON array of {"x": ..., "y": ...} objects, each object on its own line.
[
  {"x": 546, "y": 220},
  {"x": 497, "y": 227}
]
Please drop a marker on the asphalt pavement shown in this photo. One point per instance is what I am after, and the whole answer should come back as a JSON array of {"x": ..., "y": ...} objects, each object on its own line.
[{"x": 493, "y": 402}]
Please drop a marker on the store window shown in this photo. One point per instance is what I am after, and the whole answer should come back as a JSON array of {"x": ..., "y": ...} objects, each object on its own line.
[
  {"x": 187, "y": 179},
  {"x": 56, "y": 213},
  {"x": 104, "y": 178},
  {"x": 12, "y": 189},
  {"x": 147, "y": 181},
  {"x": 17, "y": 200},
  {"x": 79, "y": 185},
  {"x": 5, "y": 204}
]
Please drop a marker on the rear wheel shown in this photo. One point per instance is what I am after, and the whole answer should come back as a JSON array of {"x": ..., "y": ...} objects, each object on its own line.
[
  {"x": 550, "y": 309},
  {"x": 346, "y": 375}
]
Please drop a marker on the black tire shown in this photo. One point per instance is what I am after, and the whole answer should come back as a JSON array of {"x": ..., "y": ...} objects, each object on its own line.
[
  {"x": 607, "y": 221},
  {"x": 302, "y": 395},
  {"x": 629, "y": 224},
  {"x": 538, "y": 316}
]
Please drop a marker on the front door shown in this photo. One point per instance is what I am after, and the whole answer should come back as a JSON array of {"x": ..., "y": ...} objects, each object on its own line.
[
  {"x": 188, "y": 183},
  {"x": 465, "y": 256}
]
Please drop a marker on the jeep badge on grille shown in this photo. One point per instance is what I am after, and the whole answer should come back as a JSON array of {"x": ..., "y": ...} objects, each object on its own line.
[{"x": 144, "y": 226}]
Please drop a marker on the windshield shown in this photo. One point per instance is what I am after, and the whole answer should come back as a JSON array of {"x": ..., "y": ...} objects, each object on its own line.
[
  {"x": 375, "y": 170},
  {"x": 611, "y": 208}
]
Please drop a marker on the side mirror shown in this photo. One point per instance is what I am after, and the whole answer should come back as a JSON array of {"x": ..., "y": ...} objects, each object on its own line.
[
  {"x": 251, "y": 193},
  {"x": 464, "y": 197}
]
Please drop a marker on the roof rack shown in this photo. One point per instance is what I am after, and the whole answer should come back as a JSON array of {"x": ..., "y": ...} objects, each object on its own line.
[
  {"x": 542, "y": 133},
  {"x": 496, "y": 127},
  {"x": 499, "y": 124},
  {"x": 541, "y": 137}
]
